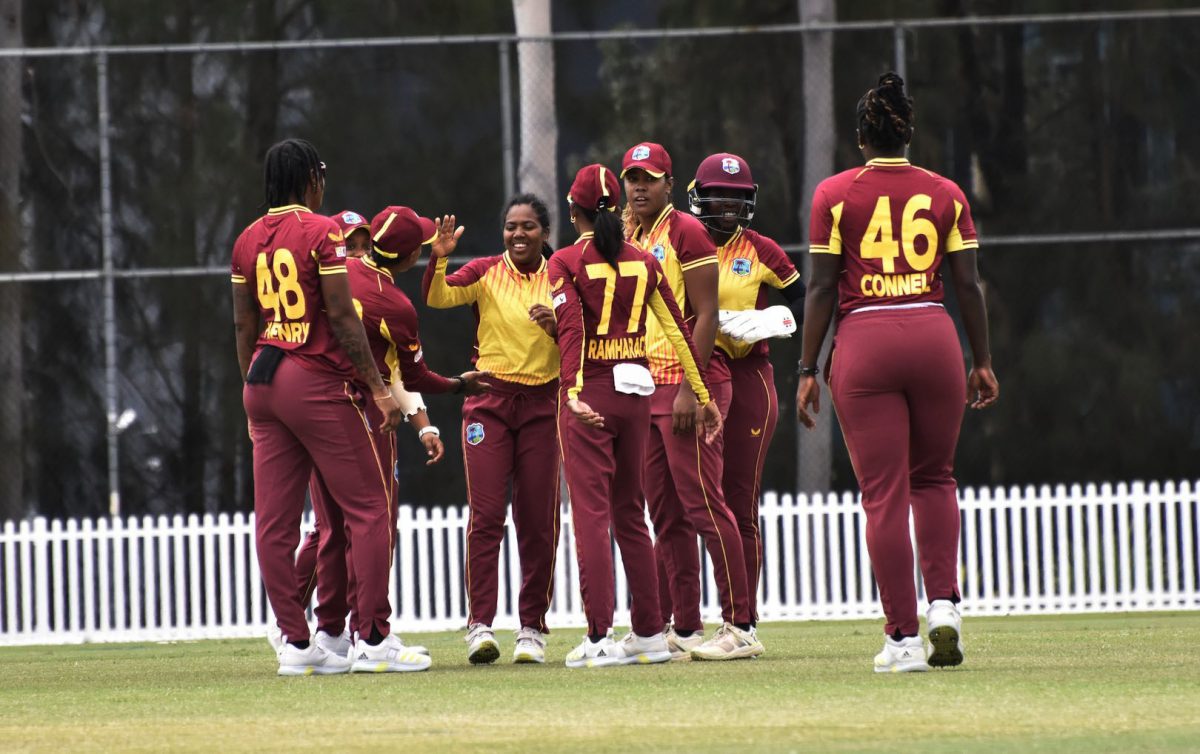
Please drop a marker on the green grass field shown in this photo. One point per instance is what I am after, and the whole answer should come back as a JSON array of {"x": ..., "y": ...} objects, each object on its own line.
[{"x": 1082, "y": 683}]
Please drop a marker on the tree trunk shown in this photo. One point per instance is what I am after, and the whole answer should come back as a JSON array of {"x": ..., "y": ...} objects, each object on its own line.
[
  {"x": 539, "y": 128},
  {"x": 12, "y": 389},
  {"x": 814, "y": 448}
]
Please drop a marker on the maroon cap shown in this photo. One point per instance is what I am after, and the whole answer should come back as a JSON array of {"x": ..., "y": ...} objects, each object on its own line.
[
  {"x": 724, "y": 170},
  {"x": 349, "y": 221},
  {"x": 648, "y": 156},
  {"x": 595, "y": 187},
  {"x": 398, "y": 231}
]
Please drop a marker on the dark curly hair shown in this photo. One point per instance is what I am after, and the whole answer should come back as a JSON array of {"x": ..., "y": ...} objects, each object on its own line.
[{"x": 885, "y": 114}]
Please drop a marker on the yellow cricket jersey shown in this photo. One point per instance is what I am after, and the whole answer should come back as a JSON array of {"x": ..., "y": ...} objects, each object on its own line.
[
  {"x": 680, "y": 243},
  {"x": 750, "y": 263},
  {"x": 508, "y": 344}
]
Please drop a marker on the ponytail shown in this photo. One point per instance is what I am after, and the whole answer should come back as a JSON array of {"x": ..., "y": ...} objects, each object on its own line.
[{"x": 609, "y": 235}]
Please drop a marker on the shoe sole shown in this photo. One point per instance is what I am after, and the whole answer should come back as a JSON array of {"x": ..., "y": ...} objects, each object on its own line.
[
  {"x": 366, "y": 666},
  {"x": 528, "y": 658},
  {"x": 944, "y": 651},
  {"x": 913, "y": 667},
  {"x": 741, "y": 653},
  {"x": 485, "y": 654},
  {"x": 681, "y": 656},
  {"x": 293, "y": 671},
  {"x": 594, "y": 662},
  {"x": 647, "y": 658}
]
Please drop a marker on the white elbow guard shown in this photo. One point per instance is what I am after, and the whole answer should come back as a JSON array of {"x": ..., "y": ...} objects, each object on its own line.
[
  {"x": 752, "y": 325},
  {"x": 410, "y": 403}
]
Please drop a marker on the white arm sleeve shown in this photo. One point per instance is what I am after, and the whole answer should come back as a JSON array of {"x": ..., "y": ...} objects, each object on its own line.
[{"x": 410, "y": 403}]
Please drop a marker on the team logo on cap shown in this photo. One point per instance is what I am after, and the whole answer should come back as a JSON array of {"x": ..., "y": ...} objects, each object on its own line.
[
  {"x": 741, "y": 267},
  {"x": 352, "y": 218},
  {"x": 640, "y": 152},
  {"x": 474, "y": 433},
  {"x": 659, "y": 253},
  {"x": 731, "y": 166}
]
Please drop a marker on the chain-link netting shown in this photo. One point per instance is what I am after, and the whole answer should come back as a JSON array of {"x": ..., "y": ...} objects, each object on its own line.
[{"x": 1060, "y": 128}]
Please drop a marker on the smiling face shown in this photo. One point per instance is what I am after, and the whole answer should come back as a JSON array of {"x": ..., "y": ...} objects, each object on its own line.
[
  {"x": 647, "y": 195},
  {"x": 726, "y": 205},
  {"x": 524, "y": 235}
]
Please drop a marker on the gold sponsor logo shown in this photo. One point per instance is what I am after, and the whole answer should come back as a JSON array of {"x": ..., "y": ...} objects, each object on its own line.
[
  {"x": 617, "y": 349},
  {"x": 287, "y": 332},
  {"x": 894, "y": 285}
]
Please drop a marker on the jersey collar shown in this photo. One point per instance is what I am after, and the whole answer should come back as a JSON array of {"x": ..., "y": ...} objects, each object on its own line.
[
  {"x": 508, "y": 262},
  {"x": 881, "y": 162},
  {"x": 288, "y": 208},
  {"x": 372, "y": 266},
  {"x": 737, "y": 236}
]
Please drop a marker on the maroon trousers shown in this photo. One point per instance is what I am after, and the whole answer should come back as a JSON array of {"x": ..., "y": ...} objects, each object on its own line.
[
  {"x": 899, "y": 388},
  {"x": 509, "y": 437},
  {"x": 753, "y": 413},
  {"x": 604, "y": 478},
  {"x": 683, "y": 492},
  {"x": 306, "y": 420}
]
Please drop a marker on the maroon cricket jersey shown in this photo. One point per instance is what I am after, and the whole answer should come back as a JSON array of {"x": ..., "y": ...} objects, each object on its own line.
[
  {"x": 283, "y": 255},
  {"x": 391, "y": 323},
  {"x": 601, "y": 312},
  {"x": 750, "y": 265},
  {"x": 892, "y": 223}
]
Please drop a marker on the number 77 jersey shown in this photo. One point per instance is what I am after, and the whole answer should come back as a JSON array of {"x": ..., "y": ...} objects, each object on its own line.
[
  {"x": 282, "y": 257},
  {"x": 892, "y": 223}
]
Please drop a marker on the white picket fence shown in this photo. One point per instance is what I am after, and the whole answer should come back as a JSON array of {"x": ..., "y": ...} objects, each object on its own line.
[{"x": 1031, "y": 550}]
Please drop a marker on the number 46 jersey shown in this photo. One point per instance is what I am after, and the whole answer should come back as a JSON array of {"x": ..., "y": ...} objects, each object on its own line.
[
  {"x": 282, "y": 256},
  {"x": 892, "y": 223}
]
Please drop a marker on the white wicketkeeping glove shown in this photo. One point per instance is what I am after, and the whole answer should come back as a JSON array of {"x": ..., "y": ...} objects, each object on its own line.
[{"x": 753, "y": 325}]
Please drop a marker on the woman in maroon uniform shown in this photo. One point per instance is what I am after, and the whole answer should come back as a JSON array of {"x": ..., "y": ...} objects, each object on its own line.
[
  {"x": 878, "y": 237},
  {"x": 602, "y": 288},
  {"x": 304, "y": 355}
]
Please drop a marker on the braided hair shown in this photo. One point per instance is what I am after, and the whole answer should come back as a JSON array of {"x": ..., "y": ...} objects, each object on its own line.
[
  {"x": 289, "y": 167},
  {"x": 885, "y": 115}
]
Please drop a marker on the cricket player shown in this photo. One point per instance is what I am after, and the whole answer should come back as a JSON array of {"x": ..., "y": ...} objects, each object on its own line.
[
  {"x": 723, "y": 197},
  {"x": 879, "y": 235},
  {"x": 683, "y": 474},
  {"x": 603, "y": 288}
]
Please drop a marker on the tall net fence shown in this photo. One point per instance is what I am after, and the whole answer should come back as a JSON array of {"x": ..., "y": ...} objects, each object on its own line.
[{"x": 128, "y": 172}]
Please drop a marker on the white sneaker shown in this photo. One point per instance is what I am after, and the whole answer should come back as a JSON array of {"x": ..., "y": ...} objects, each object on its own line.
[
  {"x": 482, "y": 647},
  {"x": 681, "y": 646},
  {"x": 531, "y": 646},
  {"x": 642, "y": 650},
  {"x": 410, "y": 647},
  {"x": 389, "y": 656},
  {"x": 275, "y": 637},
  {"x": 729, "y": 643},
  {"x": 904, "y": 656},
  {"x": 311, "y": 661},
  {"x": 594, "y": 655},
  {"x": 335, "y": 645},
  {"x": 944, "y": 623}
]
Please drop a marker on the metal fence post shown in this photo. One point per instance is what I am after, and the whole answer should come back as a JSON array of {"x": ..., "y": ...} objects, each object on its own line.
[
  {"x": 506, "y": 119},
  {"x": 899, "y": 51},
  {"x": 110, "y": 314}
]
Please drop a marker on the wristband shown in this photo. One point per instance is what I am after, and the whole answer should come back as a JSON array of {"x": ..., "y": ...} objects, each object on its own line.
[
  {"x": 430, "y": 430},
  {"x": 804, "y": 371},
  {"x": 459, "y": 385}
]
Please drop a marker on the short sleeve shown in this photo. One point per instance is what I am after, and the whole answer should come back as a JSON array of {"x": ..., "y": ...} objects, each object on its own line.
[
  {"x": 824, "y": 236},
  {"x": 329, "y": 248},
  {"x": 778, "y": 270},
  {"x": 693, "y": 246},
  {"x": 237, "y": 273},
  {"x": 962, "y": 230}
]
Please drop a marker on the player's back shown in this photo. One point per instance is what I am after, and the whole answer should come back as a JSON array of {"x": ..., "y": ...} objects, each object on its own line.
[
  {"x": 893, "y": 223},
  {"x": 612, "y": 299},
  {"x": 283, "y": 255}
]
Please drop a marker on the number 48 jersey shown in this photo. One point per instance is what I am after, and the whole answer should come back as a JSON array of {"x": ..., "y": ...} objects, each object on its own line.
[
  {"x": 892, "y": 223},
  {"x": 281, "y": 256}
]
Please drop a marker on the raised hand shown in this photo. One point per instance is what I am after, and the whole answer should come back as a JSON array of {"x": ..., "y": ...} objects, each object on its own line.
[
  {"x": 447, "y": 236},
  {"x": 544, "y": 317}
]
